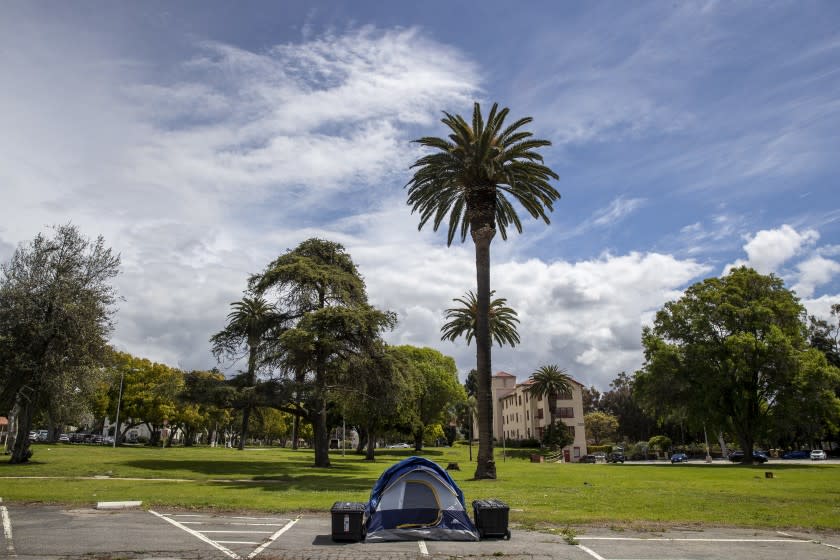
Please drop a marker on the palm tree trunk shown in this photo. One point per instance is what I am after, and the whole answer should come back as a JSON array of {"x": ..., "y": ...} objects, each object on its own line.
[{"x": 485, "y": 465}]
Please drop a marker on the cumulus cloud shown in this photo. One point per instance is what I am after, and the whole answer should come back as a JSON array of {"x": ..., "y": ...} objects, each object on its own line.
[
  {"x": 814, "y": 272},
  {"x": 586, "y": 316},
  {"x": 769, "y": 249}
]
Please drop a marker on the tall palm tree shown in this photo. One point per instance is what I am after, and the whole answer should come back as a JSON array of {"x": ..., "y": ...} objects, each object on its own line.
[
  {"x": 550, "y": 382},
  {"x": 469, "y": 177},
  {"x": 503, "y": 320},
  {"x": 248, "y": 322}
]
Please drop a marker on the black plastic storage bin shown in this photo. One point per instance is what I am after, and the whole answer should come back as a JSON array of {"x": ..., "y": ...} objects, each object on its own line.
[
  {"x": 491, "y": 518},
  {"x": 348, "y": 521}
]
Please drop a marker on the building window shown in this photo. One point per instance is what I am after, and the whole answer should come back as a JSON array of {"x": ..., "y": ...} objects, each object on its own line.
[
  {"x": 539, "y": 414},
  {"x": 566, "y": 412},
  {"x": 520, "y": 400},
  {"x": 577, "y": 452},
  {"x": 527, "y": 415},
  {"x": 565, "y": 396},
  {"x": 571, "y": 430}
]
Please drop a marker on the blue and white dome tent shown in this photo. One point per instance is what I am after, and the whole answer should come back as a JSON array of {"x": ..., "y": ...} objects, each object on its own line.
[{"x": 417, "y": 500}]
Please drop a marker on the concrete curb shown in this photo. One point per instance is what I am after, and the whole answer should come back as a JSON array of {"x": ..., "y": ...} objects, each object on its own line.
[{"x": 118, "y": 505}]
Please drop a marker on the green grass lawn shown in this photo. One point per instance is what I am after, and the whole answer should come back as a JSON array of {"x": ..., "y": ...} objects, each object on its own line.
[{"x": 539, "y": 494}]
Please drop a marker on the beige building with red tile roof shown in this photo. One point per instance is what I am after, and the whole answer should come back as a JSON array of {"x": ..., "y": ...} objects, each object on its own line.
[{"x": 517, "y": 414}]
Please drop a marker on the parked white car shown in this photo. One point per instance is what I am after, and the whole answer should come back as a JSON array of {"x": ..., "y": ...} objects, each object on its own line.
[{"x": 818, "y": 455}]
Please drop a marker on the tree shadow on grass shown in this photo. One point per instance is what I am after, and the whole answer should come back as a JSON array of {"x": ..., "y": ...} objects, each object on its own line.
[{"x": 242, "y": 469}]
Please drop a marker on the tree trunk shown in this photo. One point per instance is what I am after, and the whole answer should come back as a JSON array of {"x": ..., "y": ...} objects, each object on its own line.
[
  {"x": 322, "y": 436},
  {"x": 246, "y": 417},
  {"x": 25, "y": 409},
  {"x": 363, "y": 434},
  {"x": 485, "y": 465},
  {"x": 418, "y": 440},
  {"x": 295, "y": 427},
  {"x": 371, "y": 446}
]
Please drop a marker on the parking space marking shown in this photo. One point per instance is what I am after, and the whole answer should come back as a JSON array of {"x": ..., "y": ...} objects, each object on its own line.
[
  {"x": 273, "y": 537},
  {"x": 7, "y": 530},
  {"x": 214, "y": 523},
  {"x": 423, "y": 550},
  {"x": 591, "y": 552},
  {"x": 691, "y": 539},
  {"x": 198, "y": 535}
]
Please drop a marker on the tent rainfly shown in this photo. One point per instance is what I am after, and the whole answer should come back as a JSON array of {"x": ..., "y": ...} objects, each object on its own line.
[{"x": 417, "y": 500}]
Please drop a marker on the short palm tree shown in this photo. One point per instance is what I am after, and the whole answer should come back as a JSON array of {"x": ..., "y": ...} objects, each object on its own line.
[
  {"x": 469, "y": 177},
  {"x": 550, "y": 382},
  {"x": 248, "y": 322},
  {"x": 503, "y": 320}
]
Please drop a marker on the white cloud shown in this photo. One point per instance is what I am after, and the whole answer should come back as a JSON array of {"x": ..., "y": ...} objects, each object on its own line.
[
  {"x": 586, "y": 316},
  {"x": 814, "y": 272},
  {"x": 769, "y": 249}
]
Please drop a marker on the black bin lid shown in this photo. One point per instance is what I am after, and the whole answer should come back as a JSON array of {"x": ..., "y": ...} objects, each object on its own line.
[{"x": 349, "y": 507}]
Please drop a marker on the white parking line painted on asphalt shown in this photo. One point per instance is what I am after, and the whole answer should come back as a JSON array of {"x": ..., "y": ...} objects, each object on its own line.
[
  {"x": 273, "y": 537},
  {"x": 198, "y": 535},
  {"x": 676, "y": 539},
  {"x": 237, "y": 531},
  {"x": 237, "y": 542},
  {"x": 7, "y": 531},
  {"x": 423, "y": 550},
  {"x": 590, "y": 552}
]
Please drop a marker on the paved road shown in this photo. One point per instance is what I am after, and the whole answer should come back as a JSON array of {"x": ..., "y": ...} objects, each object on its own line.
[{"x": 53, "y": 533}]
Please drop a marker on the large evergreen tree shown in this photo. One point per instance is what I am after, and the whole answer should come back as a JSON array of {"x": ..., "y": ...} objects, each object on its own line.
[
  {"x": 469, "y": 177},
  {"x": 321, "y": 293}
]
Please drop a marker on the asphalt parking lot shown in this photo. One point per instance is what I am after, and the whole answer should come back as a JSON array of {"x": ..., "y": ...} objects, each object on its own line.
[{"x": 52, "y": 533}]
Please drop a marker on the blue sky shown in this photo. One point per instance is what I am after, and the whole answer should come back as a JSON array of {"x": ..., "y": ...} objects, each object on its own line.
[{"x": 204, "y": 139}]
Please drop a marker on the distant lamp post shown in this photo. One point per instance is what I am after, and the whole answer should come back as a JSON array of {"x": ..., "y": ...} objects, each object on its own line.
[{"x": 119, "y": 402}]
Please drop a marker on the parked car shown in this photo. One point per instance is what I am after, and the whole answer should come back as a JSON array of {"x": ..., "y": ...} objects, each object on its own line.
[
  {"x": 818, "y": 455},
  {"x": 738, "y": 456},
  {"x": 398, "y": 446},
  {"x": 64, "y": 438},
  {"x": 616, "y": 458},
  {"x": 600, "y": 457},
  {"x": 797, "y": 455},
  {"x": 680, "y": 458},
  {"x": 588, "y": 459}
]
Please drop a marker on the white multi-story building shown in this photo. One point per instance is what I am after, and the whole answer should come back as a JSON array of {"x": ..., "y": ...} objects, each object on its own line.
[{"x": 517, "y": 414}]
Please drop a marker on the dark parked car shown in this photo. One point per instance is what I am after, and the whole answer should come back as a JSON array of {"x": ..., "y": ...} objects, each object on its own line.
[
  {"x": 738, "y": 456},
  {"x": 679, "y": 458},
  {"x": 616, "y": 458},
  {"x": 588, "y": 459},
  {"x": 796, "y": 455}
]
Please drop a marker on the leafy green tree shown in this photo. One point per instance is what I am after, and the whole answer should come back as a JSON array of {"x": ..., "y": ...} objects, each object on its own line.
[
  {"x": 471, "y": 383},
  {"x": 250, "y": 322},
  {"x": 600, "y": 427},
  {"x": 436, "y": 387},
  {"x": 825, "y": 335},
  {"x": 377, "y": 393},
  {"x": 321, "y": 293},
  {"x": 634, "y": 424},
  {"x": 808, "y": 412},
  {"x": 591, "y": 399},
  {"x": 56, "y": 311},
  {"x": 469, "y": 177},
  {"x": 550, "y": 381},
  {"x": 659, "y": 443},
  {"x": 462, "y": 320},
  {"x": 726, "y": 352}
]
